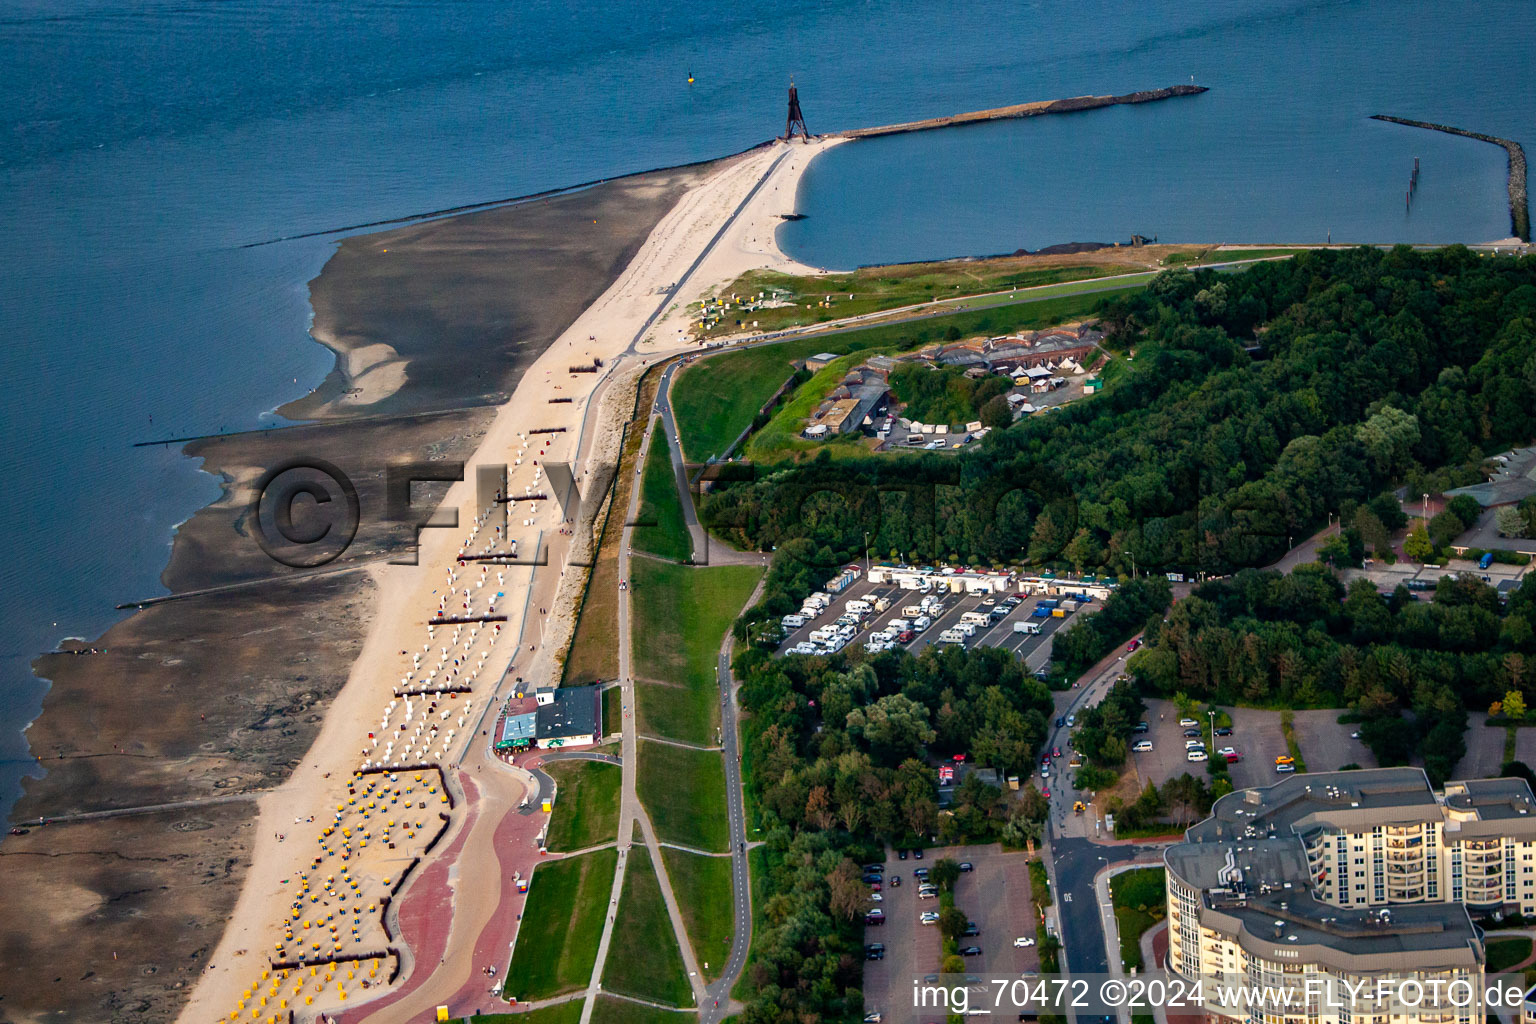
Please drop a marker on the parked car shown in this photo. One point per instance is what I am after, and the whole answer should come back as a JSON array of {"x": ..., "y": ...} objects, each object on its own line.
[
  {"x": 874, "y": 918},
  {"x": 877, "y": 897},
  {"x": 1191, "y": 732},
  {"x": 917, "y": 855},
  {"x": 895, "y": 881},
  {"x": 901, "y": 854},
  {"x": 1142, "y": 727},
  {"x": 929, "y": 917},
  {"x": 966, "y": 865},
  {"x": 1195, "y": 755},
  {"x": 970, "y": 951},
  {"x": 1223, "y": 730},
  {"x": 1130, "y": 647},
  {"x": 1023, "y": 941},
  {"x": 1142, "y": 746},
  {"x": 1193, "y": 745},
  {"x": 1226, "y": 750},
  {"x": 874, "y": 951},
  {"x": 971, "y": 928},
  {"x": 1233, "y": 758},
  {"x": 1187, "y": 722},
  {"x": 919, "y": 872},
  {"x": 1285, "y": 769}
]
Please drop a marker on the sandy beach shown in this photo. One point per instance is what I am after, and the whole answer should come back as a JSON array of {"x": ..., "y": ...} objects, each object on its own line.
[{"x": 407, "y": 596}]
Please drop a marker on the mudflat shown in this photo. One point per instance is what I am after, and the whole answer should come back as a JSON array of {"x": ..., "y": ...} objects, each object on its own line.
[{"x": 207, "y": 702}]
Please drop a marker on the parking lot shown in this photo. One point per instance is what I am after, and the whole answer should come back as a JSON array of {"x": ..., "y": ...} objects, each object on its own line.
[
  {"x": 1032, "y": 647},
  {"x": 995, "y": 896},
  {"x": 1485, "y": 749}
]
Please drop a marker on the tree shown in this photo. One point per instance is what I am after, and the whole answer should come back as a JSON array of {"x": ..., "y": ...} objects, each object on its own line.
[
  {"x": 1510, "y": 521},
  {"x": 1388, "y": 438},
  {"x": 1417, "y": 545},
  {"x": 1514, "y": 704},
  {"x": 944, "y": 873},
  {"x": 952, "y": 921},
  {"x": 895, "y": 727},
  {"x": 846, "y": 890},
  {"x": 996, "y": 413},
  {"x": 1446, "y": 527}
]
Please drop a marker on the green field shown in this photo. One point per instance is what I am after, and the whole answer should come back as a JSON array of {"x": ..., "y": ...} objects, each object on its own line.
[
  {"x": 877, "y": 288},
  {"x": 560, "y": 1013},
  {"x": 681, "y": 615},
  {"x": 643, "y": 958},
  {"x": 715, "y": 399},
  {"x": 1139, "y": 902},
  {"x": 702, "y": 886},
  {"x": 608, "y": 1010},
  {"x": 665, "y": 534},
  {"x": 684, "y": 792},
  {"x": 586, "y": 811},
  {"x": 1505, "y": 953},
  {"x": 562, "y": 923}
]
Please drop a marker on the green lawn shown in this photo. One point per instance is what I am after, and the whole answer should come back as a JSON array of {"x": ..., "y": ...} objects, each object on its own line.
[
  {"x": 878, "y": 288},
  {"x": 702, "y": 886},
  {"x": 586, "y": 811},
  {"x": 716, "y": 398},
  {"x": 1505, "y": 953},
  {"x": 643, "y": 958},
  {"x": 681, "y": 615},
  {"x": 562, "y": 923},
  {"x": 684, "y": 792},
  {"x": 560, "y": 1013},
  {"x": 608, "y": 1010},
  {"x": 661, "y": 508},
  {"x": 1140, "y": 903}
]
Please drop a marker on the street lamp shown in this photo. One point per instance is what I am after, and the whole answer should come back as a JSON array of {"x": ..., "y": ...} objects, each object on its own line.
[
  {"x": 1212, "y": 713},
  {"x": 866, "y": 554}
]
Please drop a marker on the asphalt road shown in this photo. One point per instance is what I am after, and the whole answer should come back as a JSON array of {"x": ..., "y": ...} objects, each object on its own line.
[
  {"x": 718, "y": 995},
  {"x": 1082, "y": 926}
]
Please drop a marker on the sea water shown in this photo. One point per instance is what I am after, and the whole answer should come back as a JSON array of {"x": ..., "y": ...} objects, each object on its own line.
[{"x": 143, "y": 145}]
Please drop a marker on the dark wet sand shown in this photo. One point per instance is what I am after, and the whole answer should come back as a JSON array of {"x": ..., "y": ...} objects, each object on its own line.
[{"x": 211, "y": 697}]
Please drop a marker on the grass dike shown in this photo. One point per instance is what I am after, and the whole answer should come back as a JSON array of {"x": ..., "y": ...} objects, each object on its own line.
[
  {"x": 556, "y": 944},
  {"x": 643, "y": 958}
]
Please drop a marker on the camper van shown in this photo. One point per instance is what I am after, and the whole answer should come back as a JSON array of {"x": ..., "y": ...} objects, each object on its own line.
[
  {"x": 921, "y": 623},
  {"x": 976, "y": 618},
  {"x": 951, "y": 636}
]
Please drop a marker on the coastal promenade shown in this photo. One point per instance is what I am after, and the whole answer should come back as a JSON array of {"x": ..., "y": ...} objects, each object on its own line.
[{"x": 716, "y": 230}]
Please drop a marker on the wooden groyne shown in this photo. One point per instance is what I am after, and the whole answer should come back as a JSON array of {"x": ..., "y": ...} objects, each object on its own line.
[
  {"x": 1035, "y": 109},
  {"x": 1519, "y": 210}
]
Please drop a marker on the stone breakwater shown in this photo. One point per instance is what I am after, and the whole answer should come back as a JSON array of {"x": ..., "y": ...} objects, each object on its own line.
[
  {"x": 1519, "y": 210},
  {"x": 1035, "y": 109}
]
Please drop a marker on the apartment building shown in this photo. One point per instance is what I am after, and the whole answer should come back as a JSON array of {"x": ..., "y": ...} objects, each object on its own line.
[{"x": 1340, "y": 878}]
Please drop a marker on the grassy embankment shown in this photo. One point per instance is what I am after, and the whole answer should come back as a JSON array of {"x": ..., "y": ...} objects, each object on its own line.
[
  {"x": 681, "y": 615},
  {"x": 660, "y": 529},
  {"x": 684, "y": 792},
  {"x": 1505, "y": 953},
  {"x": 562, "y": 923},
  {"x": 1139, "y": 904},
  {"x": 643, "y": 960},
  {"x": 715, "y": 399},
  {"x": 560, "y": 1013},
  {"x": 892, "y": 287},
  {"x": 586, "y": 811},
  {"x": 608, "y": 1010},
  {"x": 702, "y": 886},
  {"x": 594, "y": 650}
]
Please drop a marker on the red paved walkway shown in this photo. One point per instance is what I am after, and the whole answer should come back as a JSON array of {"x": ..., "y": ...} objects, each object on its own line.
[{"x": 426, "y": 913}]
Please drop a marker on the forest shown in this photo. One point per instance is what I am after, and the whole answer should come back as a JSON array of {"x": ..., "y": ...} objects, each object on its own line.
[
  {"x": 1408, "y": 668},
  {"x": 946, "y": 395},
  {"x": 1249, "y": 409},
  {"x": 841, "y": 757}
]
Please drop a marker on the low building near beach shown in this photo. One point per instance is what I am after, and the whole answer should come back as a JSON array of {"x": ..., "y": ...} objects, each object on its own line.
[{"x": 568, "y": 716}]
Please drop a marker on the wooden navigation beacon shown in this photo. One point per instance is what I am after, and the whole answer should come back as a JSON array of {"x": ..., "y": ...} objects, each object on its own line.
[{"x": 796, "y": 119}]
